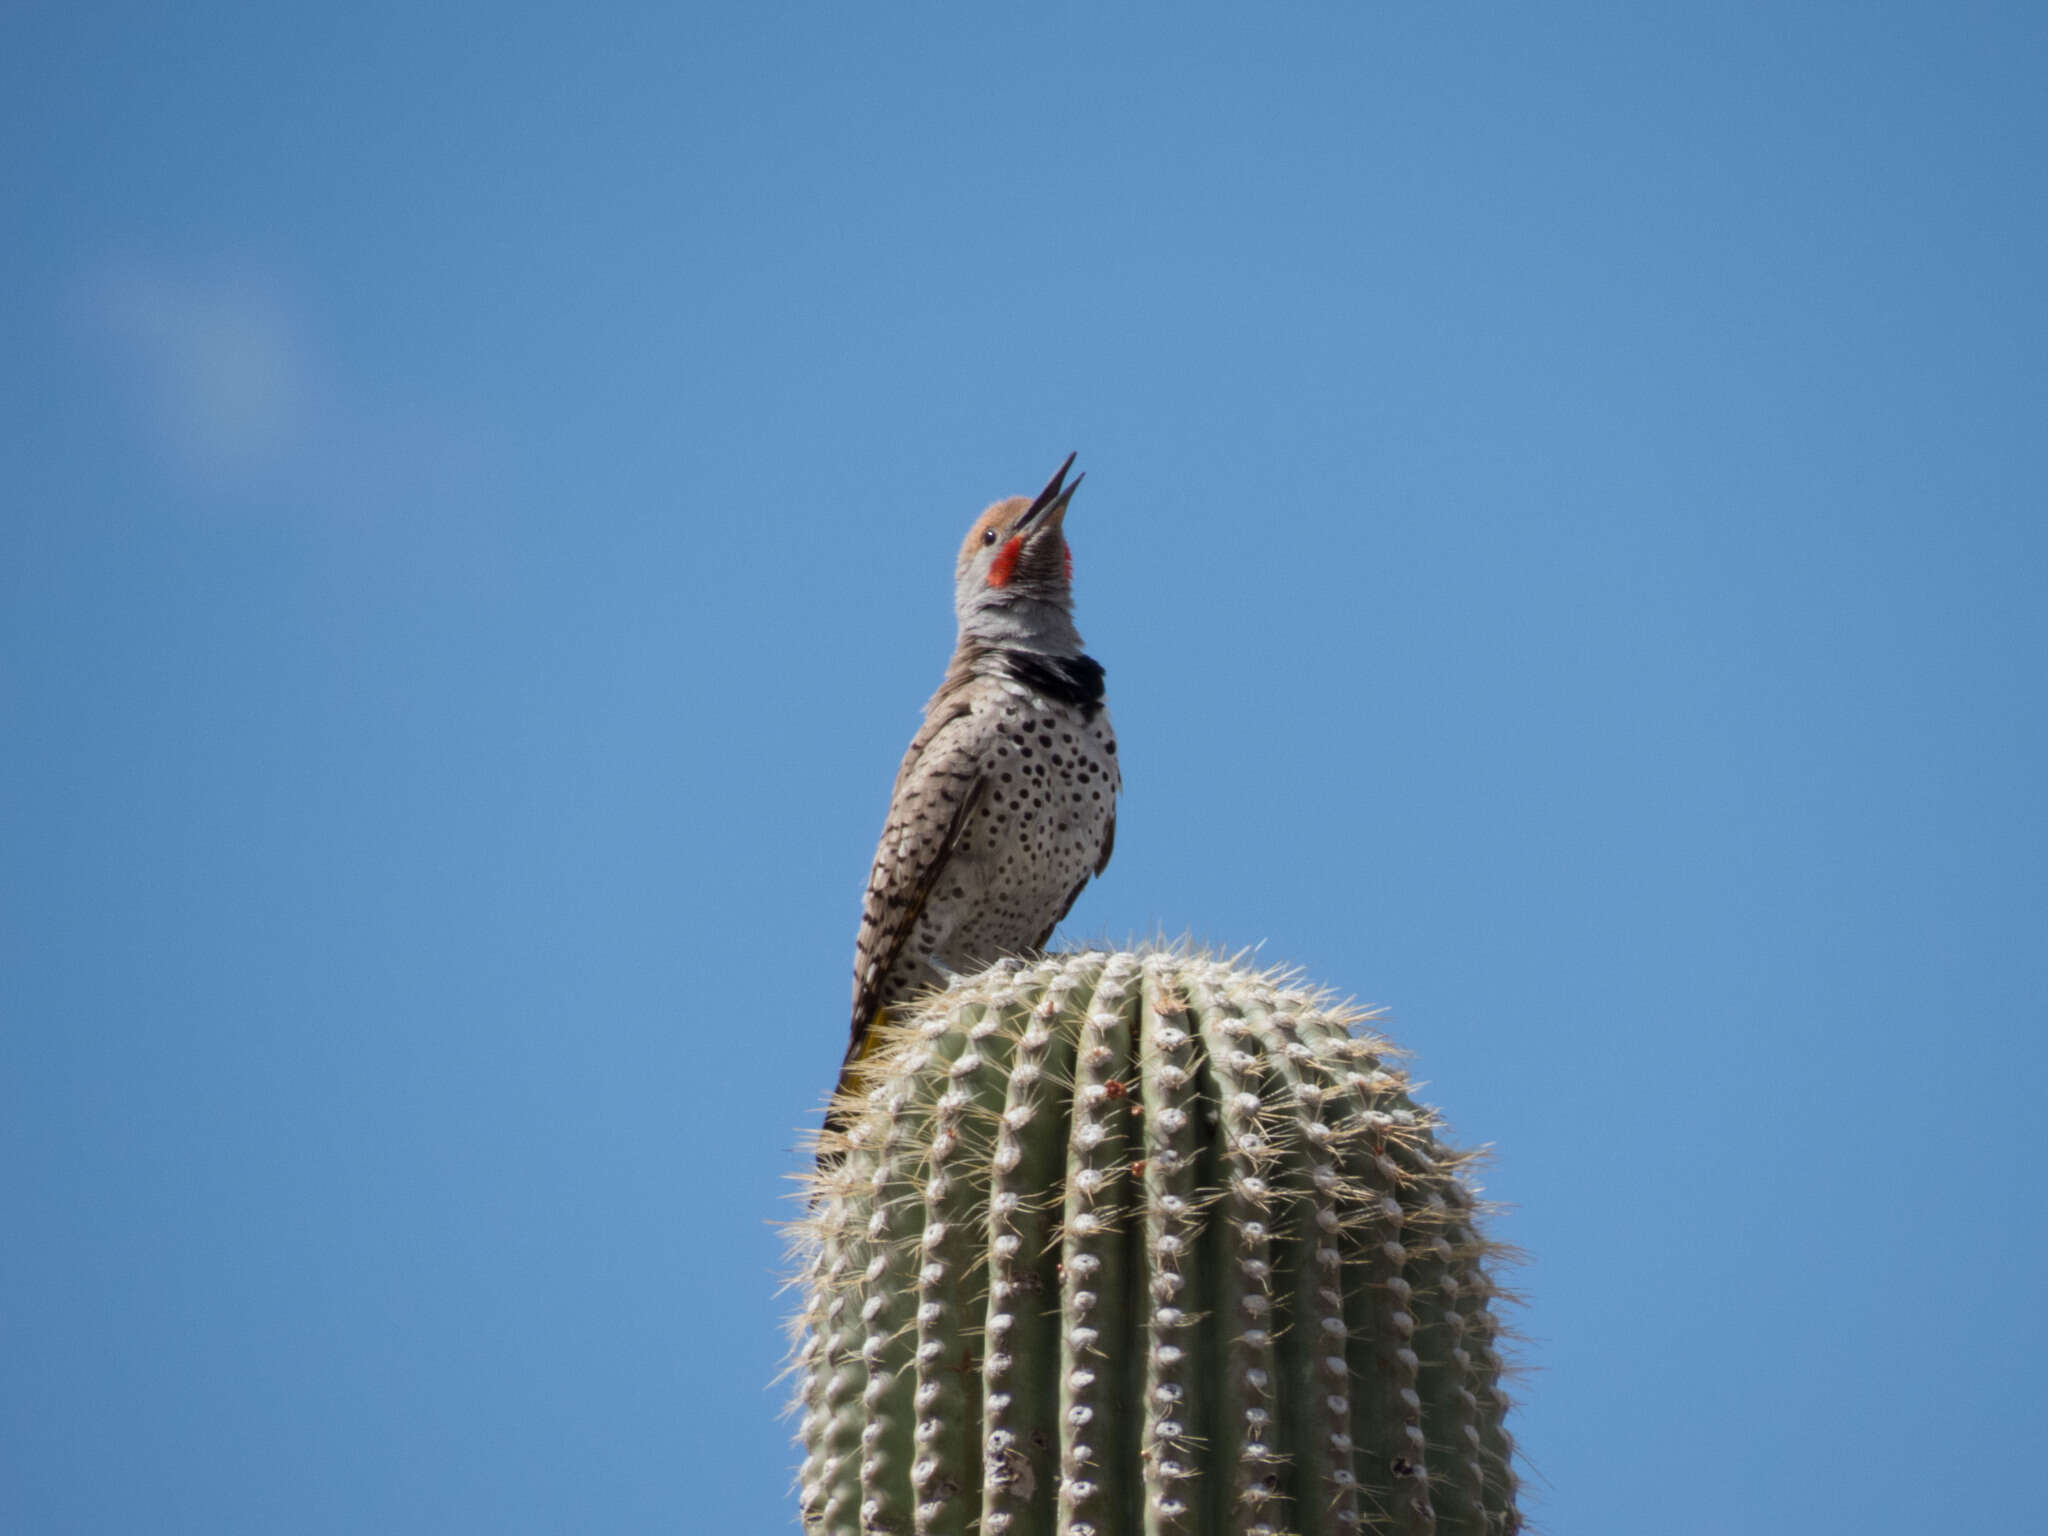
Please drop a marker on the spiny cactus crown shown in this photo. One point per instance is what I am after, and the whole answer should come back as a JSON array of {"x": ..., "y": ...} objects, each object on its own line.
[{"x": 1122, "y": 1243}]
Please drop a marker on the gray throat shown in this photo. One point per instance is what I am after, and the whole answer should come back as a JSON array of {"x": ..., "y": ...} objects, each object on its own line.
[{"x": 1044, "y": 629}]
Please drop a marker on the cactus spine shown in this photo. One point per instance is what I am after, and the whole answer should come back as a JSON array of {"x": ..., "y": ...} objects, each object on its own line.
[{"x": 1121, "y": 1243}]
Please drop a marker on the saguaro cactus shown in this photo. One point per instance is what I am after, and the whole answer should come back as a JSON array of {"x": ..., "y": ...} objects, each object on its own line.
[{"x": 1123, "y": 1243}]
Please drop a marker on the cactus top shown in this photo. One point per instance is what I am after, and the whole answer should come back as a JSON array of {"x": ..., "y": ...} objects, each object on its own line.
[{"x": 1116, "y": 1244}]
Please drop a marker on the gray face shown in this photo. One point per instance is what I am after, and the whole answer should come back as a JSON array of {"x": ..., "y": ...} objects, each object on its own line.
[{"x": 1012, "y": 587}]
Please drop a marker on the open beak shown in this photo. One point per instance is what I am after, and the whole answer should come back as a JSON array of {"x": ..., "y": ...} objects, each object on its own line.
[{"x": 1051, "y": 503}]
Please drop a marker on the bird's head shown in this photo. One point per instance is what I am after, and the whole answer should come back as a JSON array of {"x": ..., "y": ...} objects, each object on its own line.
[{"x": 1014, "y": 584}]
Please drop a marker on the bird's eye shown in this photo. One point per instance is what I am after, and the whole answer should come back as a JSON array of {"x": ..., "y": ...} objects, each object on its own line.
[{"x": 988, "y": 536}]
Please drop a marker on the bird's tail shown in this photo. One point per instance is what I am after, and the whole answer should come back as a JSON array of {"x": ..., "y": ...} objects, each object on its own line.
[{"x": 844, "y": 1103}]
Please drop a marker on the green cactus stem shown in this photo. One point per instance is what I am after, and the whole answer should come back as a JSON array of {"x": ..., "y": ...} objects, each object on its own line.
[{"x": 1145, "y": 1245}]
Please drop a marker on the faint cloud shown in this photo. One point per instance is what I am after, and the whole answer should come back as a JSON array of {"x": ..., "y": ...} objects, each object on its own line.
[
  {"x": 218, "y": 365},
  {"x": 230, "y": 388}
]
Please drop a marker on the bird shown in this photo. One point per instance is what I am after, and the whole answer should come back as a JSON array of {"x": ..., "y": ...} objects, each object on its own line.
[{"x": 1005, "y": 804}]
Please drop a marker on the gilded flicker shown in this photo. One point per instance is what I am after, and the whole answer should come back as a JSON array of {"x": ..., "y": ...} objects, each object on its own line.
[{"x": 1006, "y": 801}]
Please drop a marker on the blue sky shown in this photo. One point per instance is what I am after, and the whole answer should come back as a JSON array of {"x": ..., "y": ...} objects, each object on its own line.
[{"x": 1564, "y": 524}]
